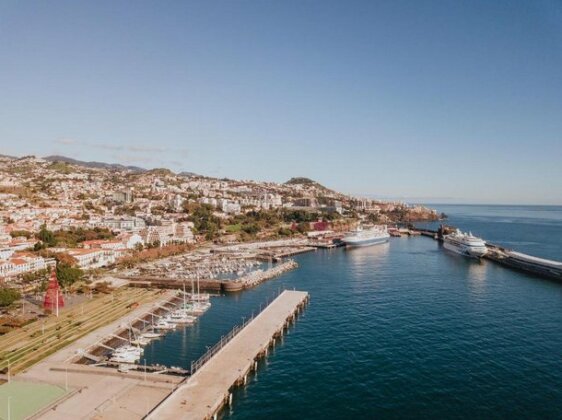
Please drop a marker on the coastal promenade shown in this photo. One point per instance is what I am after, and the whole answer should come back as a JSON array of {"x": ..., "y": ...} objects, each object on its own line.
[
  {"x": 98, "y": 392},
  {"x": 204, "y": 394}
]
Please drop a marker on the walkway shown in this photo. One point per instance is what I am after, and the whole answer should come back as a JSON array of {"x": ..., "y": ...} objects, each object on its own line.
[{"x": 204, "y": 394}]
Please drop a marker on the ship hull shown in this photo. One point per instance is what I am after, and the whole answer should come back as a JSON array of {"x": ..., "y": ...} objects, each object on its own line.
[
  {"x": 356, "y": 243},
  {"x": 465, "y": 250}
]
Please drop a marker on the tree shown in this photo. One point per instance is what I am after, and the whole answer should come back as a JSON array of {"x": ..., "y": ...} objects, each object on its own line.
[
  {"x": 205, "y": 221},
  {"x": 67, "y": 271},
  {"x": 251, "y": 228},
  {"x": 284, "y": 231},
  {"x": 373, "y": 217},
  {"x": 303, "y": 227},
  {"x": 68, "y": 275},
  {"x": 18, "y": 233},
  {"x": 8, "y": 296},
  {"x": 46, "y": 236}
]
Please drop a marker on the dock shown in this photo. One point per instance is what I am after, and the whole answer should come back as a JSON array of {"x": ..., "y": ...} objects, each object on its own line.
[{"x": 208, "y": 390}]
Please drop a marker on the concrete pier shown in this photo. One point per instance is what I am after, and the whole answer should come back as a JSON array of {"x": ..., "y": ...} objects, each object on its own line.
[{"x": 203, "y": 395}]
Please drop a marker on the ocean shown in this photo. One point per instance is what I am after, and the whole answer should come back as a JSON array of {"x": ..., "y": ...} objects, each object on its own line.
[{"x": 405, "y": 330}]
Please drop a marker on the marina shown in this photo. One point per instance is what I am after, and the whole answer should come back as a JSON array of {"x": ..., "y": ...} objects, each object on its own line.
[
  {"x": 205, "y": 393},
  {"x": 123, "y": 348},
  {"x": 250, "y": 279}
]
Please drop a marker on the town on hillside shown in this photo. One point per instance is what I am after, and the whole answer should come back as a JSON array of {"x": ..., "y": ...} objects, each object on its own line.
[{"x": 84, "y": 217}]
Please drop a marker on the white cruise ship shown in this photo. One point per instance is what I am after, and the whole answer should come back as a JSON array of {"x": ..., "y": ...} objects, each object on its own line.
[
  {"x": 365, "y": 237},
  {"x": 465, "y": 244}
]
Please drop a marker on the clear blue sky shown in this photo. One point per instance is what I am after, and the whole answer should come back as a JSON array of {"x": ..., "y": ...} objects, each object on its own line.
[{"x": 443, "y": 101}]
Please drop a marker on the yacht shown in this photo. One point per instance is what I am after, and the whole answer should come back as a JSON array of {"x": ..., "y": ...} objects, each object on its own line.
[
  {"x": 181, "y": 317},
  {"x": 365, "y": 237},
  {"x": 198, "y": 297},
  {"x": 126, "y": 354},
  {"x": 465, "y": 244},
  {"x": 128, "y": 349},
  {"x": 163, "y": 324},
  {"x": 124, "y": 358},
  {"x": 150, "y": 335},
  {"x": 140, "y": 341},
  {"x": 196, "y": 308}
]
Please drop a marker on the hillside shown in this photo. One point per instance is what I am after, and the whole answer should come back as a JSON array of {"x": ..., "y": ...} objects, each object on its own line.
[{"x": 93, "y": 164}]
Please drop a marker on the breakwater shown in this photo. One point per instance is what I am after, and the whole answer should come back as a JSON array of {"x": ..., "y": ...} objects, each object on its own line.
[
  {"x": 212, "y": 285},
  {"x": 509, "y": 258},
  {"x": 257, "y": 277},
  {"x": 523, "y": 262}
]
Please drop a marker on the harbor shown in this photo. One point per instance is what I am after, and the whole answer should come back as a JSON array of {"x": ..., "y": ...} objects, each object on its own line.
[
  {"x": 205, "y": 393},
  {"x": 123, "y": 348},
  {"x": 506, "y": 257},
  {"x": 249, "y": 279},
  {"x": 105, "y": 389},
  {"x": 94, "y": 384}
]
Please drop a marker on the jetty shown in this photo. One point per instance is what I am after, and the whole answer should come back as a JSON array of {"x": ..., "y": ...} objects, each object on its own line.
[
  {"x": 257, "y": 277},
  {"x": 208, "y": 390},
  {"x": 526, "y": 263}
]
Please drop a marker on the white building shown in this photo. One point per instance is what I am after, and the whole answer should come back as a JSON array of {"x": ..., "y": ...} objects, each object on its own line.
[
  {"x": 93, "y": 258},
  {"x": 120, "y": 224},
  {"x": 23, "y": 263},
  {"x": 168, "y": 233}
]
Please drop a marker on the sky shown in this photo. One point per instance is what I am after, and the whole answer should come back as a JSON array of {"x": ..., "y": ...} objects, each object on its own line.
[{"x": 435, "y": 101}]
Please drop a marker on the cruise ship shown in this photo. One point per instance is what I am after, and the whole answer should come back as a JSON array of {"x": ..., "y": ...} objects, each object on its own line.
[
  {"x": 365, "y": 237},
  {"x": 465, "y": 244}
]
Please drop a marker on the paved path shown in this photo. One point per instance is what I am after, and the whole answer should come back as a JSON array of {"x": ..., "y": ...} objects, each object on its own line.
[
  {"x": 93, "y": 394},
  {"x": 204, "y": 393}
]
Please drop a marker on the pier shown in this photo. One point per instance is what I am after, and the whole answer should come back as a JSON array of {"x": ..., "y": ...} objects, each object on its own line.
[{"x": 208, "y": 390}]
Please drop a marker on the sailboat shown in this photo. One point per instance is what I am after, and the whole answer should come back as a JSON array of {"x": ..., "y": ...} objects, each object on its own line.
[{"x": 181, "y": 316}]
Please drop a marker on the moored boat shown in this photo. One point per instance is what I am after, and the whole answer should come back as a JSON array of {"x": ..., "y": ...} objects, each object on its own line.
[
  {"x": 163, "y": 324},
  {"x": 465, "y": 244}
]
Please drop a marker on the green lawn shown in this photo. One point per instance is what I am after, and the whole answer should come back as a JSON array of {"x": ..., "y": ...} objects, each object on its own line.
[
  {"x": 233, "y": 228},
  {"x": 26, "y": 398}
]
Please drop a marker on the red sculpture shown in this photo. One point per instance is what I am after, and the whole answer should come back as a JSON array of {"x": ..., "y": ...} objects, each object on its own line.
[{"x": 53, "y": 296}]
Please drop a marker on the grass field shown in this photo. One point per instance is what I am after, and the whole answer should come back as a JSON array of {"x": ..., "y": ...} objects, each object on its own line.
[{"x": 26, "y": 398}]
